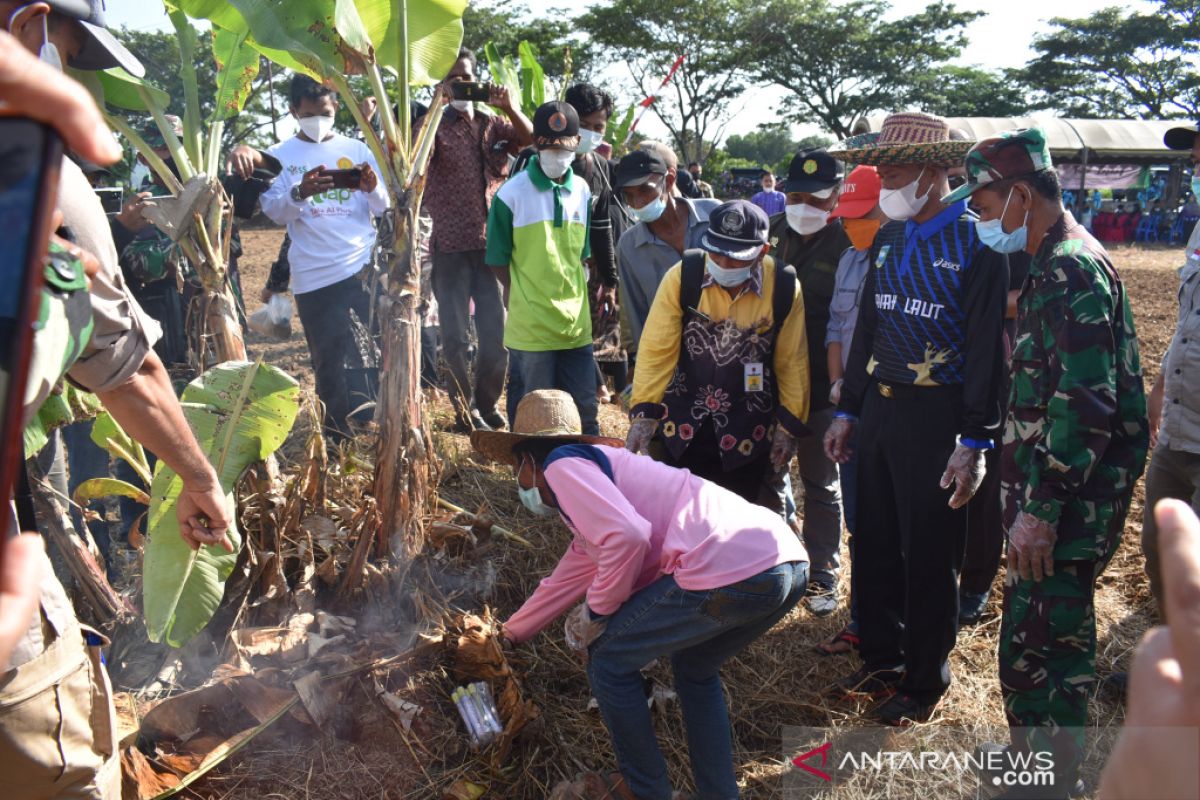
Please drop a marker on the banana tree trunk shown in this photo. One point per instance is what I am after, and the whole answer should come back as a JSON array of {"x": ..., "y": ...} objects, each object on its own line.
[
  {"x": 405, "y": 460},
  {"x": 218, "y": 329}
]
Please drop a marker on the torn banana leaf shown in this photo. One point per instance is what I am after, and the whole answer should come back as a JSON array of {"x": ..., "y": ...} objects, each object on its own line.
[{"x": 240, "y": 412}]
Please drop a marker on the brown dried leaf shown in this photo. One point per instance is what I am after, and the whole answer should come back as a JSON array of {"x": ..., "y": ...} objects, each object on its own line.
[{"x": 141, "y": 780}]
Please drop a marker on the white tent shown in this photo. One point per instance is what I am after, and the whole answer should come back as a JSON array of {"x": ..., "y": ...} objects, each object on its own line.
[{"x": 1075, "y": 141}]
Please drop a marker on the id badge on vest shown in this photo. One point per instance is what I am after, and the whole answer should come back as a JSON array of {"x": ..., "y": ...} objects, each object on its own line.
[{"x": 754, "y": 377}]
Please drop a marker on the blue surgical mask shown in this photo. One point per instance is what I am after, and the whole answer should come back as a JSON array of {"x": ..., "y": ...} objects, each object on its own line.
[
  {"x": 651, "y": 211},
  {"x": 532, "y": 500},
  {"x": 992, "y": 234},
  {"x": 727, "y": 277},
  {"x": 1196, "y": 186}
]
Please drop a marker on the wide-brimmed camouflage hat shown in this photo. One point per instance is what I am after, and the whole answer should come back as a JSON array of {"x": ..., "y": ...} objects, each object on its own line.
[
  {"x": 909, "y": 137},
  {"x": 1011, "y": 154}
]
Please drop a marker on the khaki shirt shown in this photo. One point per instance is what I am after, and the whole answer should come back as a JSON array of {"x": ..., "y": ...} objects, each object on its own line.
[
  {"x": 124, "y": 333},
  {"x": 1181, "y": 366},
  {"x": 122, "y": 336}
]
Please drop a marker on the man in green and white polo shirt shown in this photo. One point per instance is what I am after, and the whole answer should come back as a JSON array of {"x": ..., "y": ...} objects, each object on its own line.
[{"x": 537, "y": 239}]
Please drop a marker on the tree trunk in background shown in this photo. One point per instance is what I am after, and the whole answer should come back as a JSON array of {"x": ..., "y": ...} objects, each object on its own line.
[{"x": 404, "y": 462}]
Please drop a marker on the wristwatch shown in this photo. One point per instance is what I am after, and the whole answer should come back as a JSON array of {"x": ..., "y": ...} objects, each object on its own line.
[{"x": 299, "y": 198}]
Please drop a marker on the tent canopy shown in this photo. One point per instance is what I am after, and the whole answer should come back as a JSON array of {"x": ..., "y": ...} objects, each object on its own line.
[{"x": 1102, "y": 141}]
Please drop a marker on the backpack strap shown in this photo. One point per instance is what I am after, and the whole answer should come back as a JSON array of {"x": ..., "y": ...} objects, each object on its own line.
[
  {"x": 691, "y": 278},
  {"x": 785, "y": 293}
]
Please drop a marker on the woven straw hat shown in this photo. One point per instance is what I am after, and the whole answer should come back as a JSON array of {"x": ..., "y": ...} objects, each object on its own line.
[
  {"x": 909, "y": 137},
  {"x": 543, "y": 414}
]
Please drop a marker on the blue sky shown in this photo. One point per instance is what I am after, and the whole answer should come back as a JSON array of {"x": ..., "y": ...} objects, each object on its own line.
[{"x": 1000, "y": 39}]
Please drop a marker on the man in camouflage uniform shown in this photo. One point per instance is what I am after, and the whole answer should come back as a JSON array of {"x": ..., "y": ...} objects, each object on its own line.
[{"x": 1074, "y": 444}]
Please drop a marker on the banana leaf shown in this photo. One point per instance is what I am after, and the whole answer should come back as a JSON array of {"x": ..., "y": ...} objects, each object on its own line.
[
  {"x": 69, "y": 405},
  {"x": 116, "y": 88},
  {"x": 616, "y": 134},
  {"x": 110, "y": 436},
  {"x": 240, "y": 412},
  {"x": 503, "y": 71},
  {"x": 435, "y": 31},
  {"x": 97, "y": 488},
  {"x": 533, "y": 79},
  {"x": 237, "y": 67}
]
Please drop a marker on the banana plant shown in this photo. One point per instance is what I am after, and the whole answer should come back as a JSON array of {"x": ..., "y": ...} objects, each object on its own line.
[
  {"x": 199, "y": 216},
  {"x": 240, "y": 412},
  {"x": 523, "y": 77},
  {"x": 416, "y": 43},
  {"x": 618, "y": 134}
]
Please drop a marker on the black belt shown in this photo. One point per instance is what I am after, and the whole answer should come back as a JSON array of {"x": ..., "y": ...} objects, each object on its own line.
[{"x": 909, "y": 391}]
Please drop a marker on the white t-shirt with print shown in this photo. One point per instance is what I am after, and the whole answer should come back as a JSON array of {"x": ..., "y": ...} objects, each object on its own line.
[{"x": 332, "y": 234}]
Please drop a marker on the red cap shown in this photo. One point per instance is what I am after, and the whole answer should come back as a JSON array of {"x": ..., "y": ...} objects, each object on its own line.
[{"x": 860, "y": 193}]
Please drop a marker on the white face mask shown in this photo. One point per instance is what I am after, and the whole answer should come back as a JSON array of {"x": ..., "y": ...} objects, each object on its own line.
[
  {"x": 532, "y": 500},
  {"x": 805, "y": 219},
  {"x": 903, "y": 203},
  {"x": 555, "y": 163},
  {"x": 588, "y": 141},
  {"x": 727, "y": 277},
  {"x": 316, "y": 128},
  {"x": 462, "y": 106},
  {"x": 49, "y": 52}
]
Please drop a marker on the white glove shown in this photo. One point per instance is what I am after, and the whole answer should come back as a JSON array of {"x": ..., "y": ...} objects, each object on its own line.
[
  {"x": 835, "y": 392},
  {"x": 965, "y": 469},
  {"x": 641, "y": 431},
  {"x": 837, "y": 440},
  {"x": 580, "y": 629},
  {"x": 1031, "y": 547},
  {"x": 783, "y": 447}
]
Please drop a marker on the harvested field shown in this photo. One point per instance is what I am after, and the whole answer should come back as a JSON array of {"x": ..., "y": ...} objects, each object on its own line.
[{"x": 776, "y": 683}]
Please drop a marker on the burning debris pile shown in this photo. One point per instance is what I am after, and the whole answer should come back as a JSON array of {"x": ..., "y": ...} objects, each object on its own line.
[{"x": 318, "y": 639}]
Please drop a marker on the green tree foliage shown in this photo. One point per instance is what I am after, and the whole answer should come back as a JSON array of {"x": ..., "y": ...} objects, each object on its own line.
[
  {"x": 1117, "y": 63},
  {"x": 561, "y": 53},
  {"x": 646, "y": 36},
  {"x": 972, "y": 92},
  {"x": 770, "y": 144},
  {"x": 846, "y": 60},
  {"x": 159, "y": 52}
]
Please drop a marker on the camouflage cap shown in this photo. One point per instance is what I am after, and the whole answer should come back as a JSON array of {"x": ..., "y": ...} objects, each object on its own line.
[
  {"x": 153, "y": 135},
  {"x": 1011, "y": 154}
]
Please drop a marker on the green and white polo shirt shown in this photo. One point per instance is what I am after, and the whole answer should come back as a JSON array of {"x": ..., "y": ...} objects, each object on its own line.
[{"x": 539, "y": 230}]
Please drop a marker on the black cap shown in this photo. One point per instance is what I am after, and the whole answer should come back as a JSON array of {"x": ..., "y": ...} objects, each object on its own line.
[
  {"x": 737, "y": 229},
  {"x": 813, "y": 170},
  {"x": 555, "y": 123},
  {"x": 1182, "y": 138},
  {"x": 100, "y": 50},
  {"x": 637, "y": 167}
]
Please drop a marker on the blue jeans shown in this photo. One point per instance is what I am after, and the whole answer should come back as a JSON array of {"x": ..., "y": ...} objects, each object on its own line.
[
  {"x": 573, "y": 371},
  {"x": 700, "y": 631}
]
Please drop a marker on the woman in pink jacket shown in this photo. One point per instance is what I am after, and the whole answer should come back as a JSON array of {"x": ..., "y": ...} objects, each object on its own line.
[{"x": 667, "y": 564}]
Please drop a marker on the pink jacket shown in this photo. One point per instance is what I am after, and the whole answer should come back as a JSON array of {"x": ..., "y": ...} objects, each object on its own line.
[{"x": 654, "y": 520}]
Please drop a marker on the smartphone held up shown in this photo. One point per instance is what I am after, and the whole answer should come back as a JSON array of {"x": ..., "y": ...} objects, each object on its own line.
[{"x": 30, "y": 157}]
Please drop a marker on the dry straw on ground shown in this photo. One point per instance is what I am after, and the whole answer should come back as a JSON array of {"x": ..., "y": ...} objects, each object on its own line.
[{"x": 777, "y": 682}]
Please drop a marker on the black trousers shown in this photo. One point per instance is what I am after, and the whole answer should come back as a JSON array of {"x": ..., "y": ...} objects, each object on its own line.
[
  {"x": 985, "y": 530},
  {"x": 325, "y": 315},
  {"x": 909, "y": 543}
]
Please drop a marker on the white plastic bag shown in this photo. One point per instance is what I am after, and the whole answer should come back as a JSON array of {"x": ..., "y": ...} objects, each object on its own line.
[{"x": 274, "y": 319}]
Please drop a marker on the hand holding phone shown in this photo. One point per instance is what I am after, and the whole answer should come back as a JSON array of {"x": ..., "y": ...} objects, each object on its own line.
[
  {"x": 475, "y": 91},
  {"x": 345, "y": 178}
]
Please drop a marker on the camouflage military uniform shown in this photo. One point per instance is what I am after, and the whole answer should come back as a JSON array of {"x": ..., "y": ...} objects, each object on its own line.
[{"x": 1074, "y": 445}]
